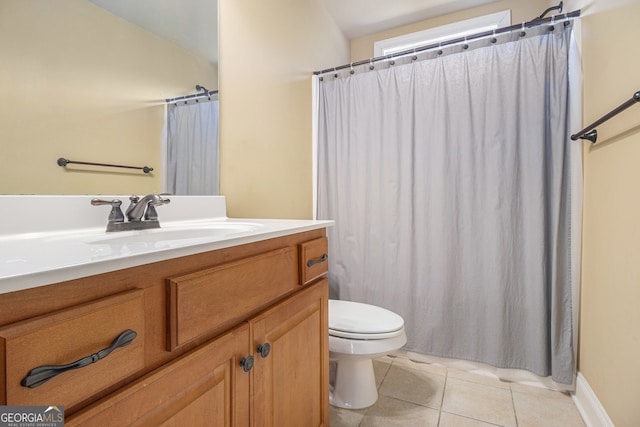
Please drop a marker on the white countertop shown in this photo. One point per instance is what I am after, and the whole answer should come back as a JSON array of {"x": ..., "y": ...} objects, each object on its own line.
[{"x": 34, "y": 252}]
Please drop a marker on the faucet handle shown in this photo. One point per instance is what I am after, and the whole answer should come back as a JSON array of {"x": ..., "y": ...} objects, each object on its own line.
[
  {"x": 116, "y": 213},
  {"x": 151, "y": 214}
]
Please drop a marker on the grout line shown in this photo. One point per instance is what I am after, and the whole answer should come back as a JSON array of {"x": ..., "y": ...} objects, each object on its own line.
[
  {"x": 444, "y": 390},
  {"x": 384, "y": 376},
  {"x": 513, "y": 405}
]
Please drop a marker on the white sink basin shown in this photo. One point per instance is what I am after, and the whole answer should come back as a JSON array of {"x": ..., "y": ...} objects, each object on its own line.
[
  {"x": 175, "y": 233},
  {"x": 37, "y": 250},
  {"x": 171, "y": 233}
]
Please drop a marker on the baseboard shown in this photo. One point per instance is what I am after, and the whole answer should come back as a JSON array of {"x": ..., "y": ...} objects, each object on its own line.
[{"x": 590, "y": 408}]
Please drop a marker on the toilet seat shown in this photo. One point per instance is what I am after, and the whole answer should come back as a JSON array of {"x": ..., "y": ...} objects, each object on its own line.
[{"x": 358, "y": 321}]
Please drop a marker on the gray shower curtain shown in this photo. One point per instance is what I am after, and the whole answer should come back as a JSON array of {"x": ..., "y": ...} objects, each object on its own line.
[
  {"x": 193, "y": 148},
  {"x": 449, "y": 180}
]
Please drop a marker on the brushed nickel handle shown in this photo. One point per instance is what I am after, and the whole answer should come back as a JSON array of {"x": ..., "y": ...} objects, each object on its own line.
[
  {"x": 264, "y": 350},
  {"x": 313, "y": 262},
  {"x": 247, "y": 363},
  {"x": 116, "y": 214},
  {"x": 40, "y": 375}
]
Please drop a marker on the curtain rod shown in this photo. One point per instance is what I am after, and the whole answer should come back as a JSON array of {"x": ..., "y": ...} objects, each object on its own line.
[
  {"x": 530, "y": 24},
  {"x": 592, "y": 135},
  {"x": 206, "y": 92}
]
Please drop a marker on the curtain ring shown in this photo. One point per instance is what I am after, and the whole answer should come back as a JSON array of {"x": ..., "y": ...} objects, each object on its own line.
[
  {"x": 414, "y": 57},
  {"x": 335, "y": 73},
  {"x": 494, "y": 39},
  {"x": 352, "y": 70},
  {"x": 439, "y": 49},
  {"x": 371, "y": 67},
  {"x": 465, "y": 46},
  {"x": 523, "y": 32}
]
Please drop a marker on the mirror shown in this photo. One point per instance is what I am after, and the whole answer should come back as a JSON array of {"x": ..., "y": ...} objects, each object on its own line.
[{"x": 89, "y": 84}]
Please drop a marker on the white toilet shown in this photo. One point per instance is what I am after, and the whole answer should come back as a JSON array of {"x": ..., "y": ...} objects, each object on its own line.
[{"x": 358, "y": 333}]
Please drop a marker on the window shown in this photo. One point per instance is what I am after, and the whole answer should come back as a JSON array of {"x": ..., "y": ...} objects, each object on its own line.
[{"x": 443, "y": 33}]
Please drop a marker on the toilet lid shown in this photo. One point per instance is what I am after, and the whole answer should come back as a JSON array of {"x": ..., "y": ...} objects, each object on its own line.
[{"x": 353, "y": 319}]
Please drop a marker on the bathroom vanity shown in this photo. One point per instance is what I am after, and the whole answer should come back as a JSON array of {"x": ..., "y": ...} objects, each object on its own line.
[{"x": 227, "y": 328}]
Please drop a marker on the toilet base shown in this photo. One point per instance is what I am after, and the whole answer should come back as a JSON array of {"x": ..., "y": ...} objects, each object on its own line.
[{"x": 355, "y": 383}]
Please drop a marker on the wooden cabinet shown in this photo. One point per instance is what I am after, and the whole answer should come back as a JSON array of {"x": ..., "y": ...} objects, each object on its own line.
[
  {"x": 313, "y": 260},
  {"x": 206, "y": 387},
  {"x": 68, "y": 336},
  {"x": 209, "y": 387},
  {"x": 211, "y": 300},
  {"x": 201, "y": 322},
  {"x": 290, "y": 382}
]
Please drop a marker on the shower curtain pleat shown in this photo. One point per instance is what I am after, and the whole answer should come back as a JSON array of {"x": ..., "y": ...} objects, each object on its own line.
[
  {"x": 449, "y": 183},
  {"x": 193, "y": 153}
]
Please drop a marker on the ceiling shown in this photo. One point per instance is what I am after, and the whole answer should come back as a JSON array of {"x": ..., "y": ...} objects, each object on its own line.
[
  {"x": 357, "y": 18},
  {"x": 193, "y": 23}
]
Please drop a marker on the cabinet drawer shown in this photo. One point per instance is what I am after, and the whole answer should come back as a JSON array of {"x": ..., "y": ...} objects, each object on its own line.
[
  {"x": 212, "y": 300},
  {"x": 205, "y": 387},
  {"x": 67, "y": 336},
  {"x": 314, "y": 259}
]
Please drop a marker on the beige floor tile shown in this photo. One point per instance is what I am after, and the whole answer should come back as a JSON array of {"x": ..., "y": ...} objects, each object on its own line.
[
  {"x": 480, "y": 402},
  {"x": 452, "y": 420},
  {"x": 413, "y": 384},
  {"x": 423, "y": 366},
  {"x": 389, "y": 412},
  {"x": 339, "y": 417},
  {"x": 411, "y": 393},
  {"x": 401, "y": 356},
  {"x": 539, "y": 391},
  {"x": 545, "y": 408},
  {"x": 478, "y": 378},
  {"x": 380, "y": 368}
]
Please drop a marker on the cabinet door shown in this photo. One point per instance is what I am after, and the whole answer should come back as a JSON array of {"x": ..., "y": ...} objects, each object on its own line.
[
  {"x": 205, "y": 388},
  {"x": 291, "y": 382}
]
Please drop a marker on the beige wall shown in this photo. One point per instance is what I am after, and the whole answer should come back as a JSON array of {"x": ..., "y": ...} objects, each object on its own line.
[
  {"x": 80, "y": 83},
  {"x": 268, "y": 51},
  {"x": 362, "y": 48},
  {"x": 610, "y": 318}
]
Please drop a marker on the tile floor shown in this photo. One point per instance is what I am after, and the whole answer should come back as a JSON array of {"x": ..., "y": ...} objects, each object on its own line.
[{"x": 413, "y": 394}]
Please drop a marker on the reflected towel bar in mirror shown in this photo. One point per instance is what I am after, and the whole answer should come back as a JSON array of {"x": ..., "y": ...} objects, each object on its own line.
[{"x": 64, "y": 162}]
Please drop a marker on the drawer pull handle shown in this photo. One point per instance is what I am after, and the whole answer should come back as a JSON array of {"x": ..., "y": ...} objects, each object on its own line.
[
  {"x": 313, "y": 262},
  {"x": 264, "y": 349},
  {"x": 42, "y": 374},
  {"x": 246, "y": 363}
]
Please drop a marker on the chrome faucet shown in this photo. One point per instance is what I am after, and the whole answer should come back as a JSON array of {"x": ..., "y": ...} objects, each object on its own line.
[
  {"x": 138, "y": 208},
  {"x": 145, "y": 206}
]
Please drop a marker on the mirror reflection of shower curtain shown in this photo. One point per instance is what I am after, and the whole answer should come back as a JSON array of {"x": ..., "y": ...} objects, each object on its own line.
[{"x": 193, "y": 148}]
